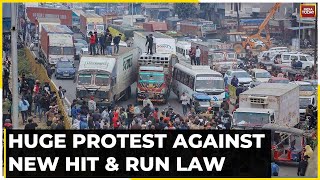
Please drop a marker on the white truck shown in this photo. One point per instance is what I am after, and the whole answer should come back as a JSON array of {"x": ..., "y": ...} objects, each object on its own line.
[
  {"x": 162, "y": 43},
  {"x": 107, "y": 78},
  {"x": 91, "y": 22},
  {"x": 56, "y": 42},
  {"x": 268, "y": 103}
]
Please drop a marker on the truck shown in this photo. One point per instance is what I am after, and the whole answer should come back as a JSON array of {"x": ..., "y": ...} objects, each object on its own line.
[
  {"x": 65, "y": 15},
  {"x": 56, "y": 42},
  {"x": 163, "y": 44},
  {"x": 42, "y": 21},
  {"x": 266, "y": 103},
  {"x": 107, "y": 78},
  {"x": 154, "y": 77},
  {"x": 91, "y": 22}
]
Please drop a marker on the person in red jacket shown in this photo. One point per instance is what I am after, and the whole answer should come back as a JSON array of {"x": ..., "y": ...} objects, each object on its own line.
[
  {"x": 92, "y": 45},
  {"x": 115, "y": 120}
]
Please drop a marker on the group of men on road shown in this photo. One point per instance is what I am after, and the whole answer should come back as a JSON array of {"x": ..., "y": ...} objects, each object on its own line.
[
  {"x": 195, "y": 55},
  {"x": 103, "y": 43}
]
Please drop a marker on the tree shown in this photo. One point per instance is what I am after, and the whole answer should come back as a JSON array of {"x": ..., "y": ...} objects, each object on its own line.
[{"x": 185, "y": 10}]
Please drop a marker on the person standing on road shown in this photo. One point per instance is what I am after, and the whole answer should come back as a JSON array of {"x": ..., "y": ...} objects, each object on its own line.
[
  {"x": 30, "y": 101},
  {"x": 61, "y": 93},
  {"x": 184, "y": 102},
  {"x": 234, "y": 81},
  {"x": 198, "y": 54},
  {"x": 31, "y": 125},
  {"x": 92, "y": 44},
  {"x": 92, "y": 105},
  {"x": 49, "y": 71},
  {"x": 274, "y": 169},
  {"x": 116, "y": 42},
  {"x": 302, "y": 168},
  {"x": 23, "y": 106},
  {"x": 102, "y": 41},
  {"x": 96, "y": 42},
  {"x": 6, "y": 109}
]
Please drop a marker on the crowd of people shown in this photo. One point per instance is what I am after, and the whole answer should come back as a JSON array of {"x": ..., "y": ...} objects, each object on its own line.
[{"x": 102, "y": 44}]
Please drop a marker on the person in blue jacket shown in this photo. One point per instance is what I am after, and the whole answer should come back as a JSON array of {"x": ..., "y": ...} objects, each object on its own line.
[
  {"x": 274, "y": 169},
  {"x": 23, "y": 107}
]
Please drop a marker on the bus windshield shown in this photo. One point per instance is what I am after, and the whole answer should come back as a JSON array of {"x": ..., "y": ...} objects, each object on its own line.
[
  {"x": 84, "y": 79},
  {"x": 151, "y": 77},
  {"x": 102, "y": 80},
  {"x": 250, "y": 118},
  {"x": 209, "y": 82},
  {"x": 217, "y": 56}
]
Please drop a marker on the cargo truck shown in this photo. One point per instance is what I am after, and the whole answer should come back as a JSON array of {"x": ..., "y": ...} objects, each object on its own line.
[
  {"x": 107, "y": 78},
  {"x": 155, "y": 77},
  {"x": 65, "y": 15},
  {"x": 268, "y": 103},
  {"x": 56, "y": 42},
  {"x": 91, "y": 22}
]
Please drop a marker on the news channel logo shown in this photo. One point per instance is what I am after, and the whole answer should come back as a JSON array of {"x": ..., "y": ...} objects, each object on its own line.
[{"x": 308, "y": 10}]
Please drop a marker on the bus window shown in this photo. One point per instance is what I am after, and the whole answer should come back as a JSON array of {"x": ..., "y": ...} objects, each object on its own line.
[
  {"x": 175, "y": 74},
  {"x": 191, "y": 82},
  {"x": 186, "y": 79},
  {"x": 178, "y": 75}
]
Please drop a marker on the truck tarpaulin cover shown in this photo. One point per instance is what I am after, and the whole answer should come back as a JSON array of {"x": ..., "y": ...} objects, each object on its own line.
[{"x": 65, "y": 15}]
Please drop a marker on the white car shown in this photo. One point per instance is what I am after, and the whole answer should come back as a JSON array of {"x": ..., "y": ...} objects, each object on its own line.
[
  {"x": 306, "y": 59},
  {"x": 260, "y": 75},
  {"x": 242, "y": 75}
]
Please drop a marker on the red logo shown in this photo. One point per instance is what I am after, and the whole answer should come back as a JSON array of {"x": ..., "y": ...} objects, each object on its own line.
[{"x": 308, "y": 10}]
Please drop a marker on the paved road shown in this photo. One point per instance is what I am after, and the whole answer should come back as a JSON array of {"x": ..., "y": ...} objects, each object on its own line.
[{"x": 70, "y": 87}]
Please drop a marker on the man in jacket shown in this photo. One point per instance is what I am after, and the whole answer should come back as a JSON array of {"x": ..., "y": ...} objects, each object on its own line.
[
  {"x": 116, "y": 42},
  {"x": 102, "y": 41},
  {"x": 108, "y": 44},
  {"x": 149, "y": 43},
  {"x": 96, "y": 42},
  {"x": 92, "y": 44},
  {"x": 192, "y": 55}
]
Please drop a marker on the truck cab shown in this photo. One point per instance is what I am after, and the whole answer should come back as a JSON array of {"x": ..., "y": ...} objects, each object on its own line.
[
  {"x": 222, "y": 61},
  {"x": 252, "y": 117}
]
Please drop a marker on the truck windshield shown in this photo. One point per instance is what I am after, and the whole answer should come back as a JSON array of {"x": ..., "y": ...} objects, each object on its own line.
[
  {"x": 68, "y": 51},
  {"x": 307, "y": 88},
  {"x": 209, "y": 82},
  {"x": 151, "y": 77},
  {"x": 102, "y": 79},
  {"x": 84, "y": 79},
  {"x": 53, "y": 50},
  {"x": 304, "y": 102},
  {"x": 231, "y": 56},
  {"x": 100, "y": 27},
  {"x": 218, "y": 56},
  {"x": 90, "y": 27},
  {"x": 251, "y": 118}
]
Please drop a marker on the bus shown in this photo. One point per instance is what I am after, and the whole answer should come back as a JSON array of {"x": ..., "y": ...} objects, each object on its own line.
[
  {"x": 198, "y": 79},
  {"x": 182, "y": 49}
]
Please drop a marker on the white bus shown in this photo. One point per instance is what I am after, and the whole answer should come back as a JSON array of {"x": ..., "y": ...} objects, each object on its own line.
[
  {"x": 182, "y": 49},
  {"x": 191, "y": 79}
]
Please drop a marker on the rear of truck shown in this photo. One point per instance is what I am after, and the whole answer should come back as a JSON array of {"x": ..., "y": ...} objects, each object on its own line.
[{"x": 266, "y": 103}]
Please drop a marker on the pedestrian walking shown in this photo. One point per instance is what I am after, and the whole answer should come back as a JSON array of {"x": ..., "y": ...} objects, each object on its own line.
[
  {"x": 234, "y": 81},
  {"x": 92, "y": 105},
  {"x": 92, "y": 44},
  {"x": 116, "y": 42},
  {"x": 61, "y": 93},
  {"x": 29, "y": 98},
  {"x": 49, "y": 71},
  {"x": 198, "y": 54},
  {"x": 6, "y": 109},
  {"x": 149, "y": 43},
  {"x": 184, "y": 102},
  {"x": 302, "y": 168},
  {"x": 23, "y": 106},
  {"x": 102, "y": 42}
]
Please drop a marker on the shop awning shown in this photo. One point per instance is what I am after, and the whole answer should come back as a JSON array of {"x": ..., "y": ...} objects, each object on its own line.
[{"x": 302, "y": 27}]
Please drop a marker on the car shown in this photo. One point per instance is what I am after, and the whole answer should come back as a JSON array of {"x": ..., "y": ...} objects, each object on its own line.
[
  {"x": 306, "y": 59},
  {"x": 242, "y": 75},
  {"x": 78, "y": 47},
  {"x": 279, "y": 80},
  {"x": 65, "y": 69},
  {"x": 313, "y": 82},
  {"x": 260, "y": 75},
  {"x": 82, "y": 41},
  {"x": 306, "y": 88}
]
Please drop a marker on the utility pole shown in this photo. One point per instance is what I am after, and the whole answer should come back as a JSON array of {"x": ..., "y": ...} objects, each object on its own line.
[
  {"x": 132, "y": 14},
  {"x": 14, "y": 60}
]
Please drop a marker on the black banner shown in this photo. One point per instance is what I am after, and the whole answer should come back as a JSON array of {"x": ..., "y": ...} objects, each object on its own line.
[{"x": 208, "y": 154}]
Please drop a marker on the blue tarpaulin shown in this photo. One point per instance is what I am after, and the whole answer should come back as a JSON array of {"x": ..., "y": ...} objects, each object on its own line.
[
  {"x": 251, "y": 21},
  {"x": 302, "y": 27}
]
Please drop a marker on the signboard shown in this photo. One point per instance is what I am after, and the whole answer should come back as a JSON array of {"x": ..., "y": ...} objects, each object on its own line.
[
  {"x": 208, "y": 27},
  {"x": 165, "y": 46},
  {"x": 308, "y": 10}
]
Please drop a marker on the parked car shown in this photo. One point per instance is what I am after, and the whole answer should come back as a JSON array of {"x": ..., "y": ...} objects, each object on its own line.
[
  {"x": 65, "y": 69},
  {"x": 242, "y": 75}
]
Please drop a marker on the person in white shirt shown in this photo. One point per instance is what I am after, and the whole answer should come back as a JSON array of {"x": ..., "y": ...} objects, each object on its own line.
[
  {"x": 184, "y": 101},
  {"x": 92, "y": 105},
  {"x": 198, "y": 54}
]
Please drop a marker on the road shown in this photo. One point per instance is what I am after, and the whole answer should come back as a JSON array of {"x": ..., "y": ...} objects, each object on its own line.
[{"x": 70, "y": 87}]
